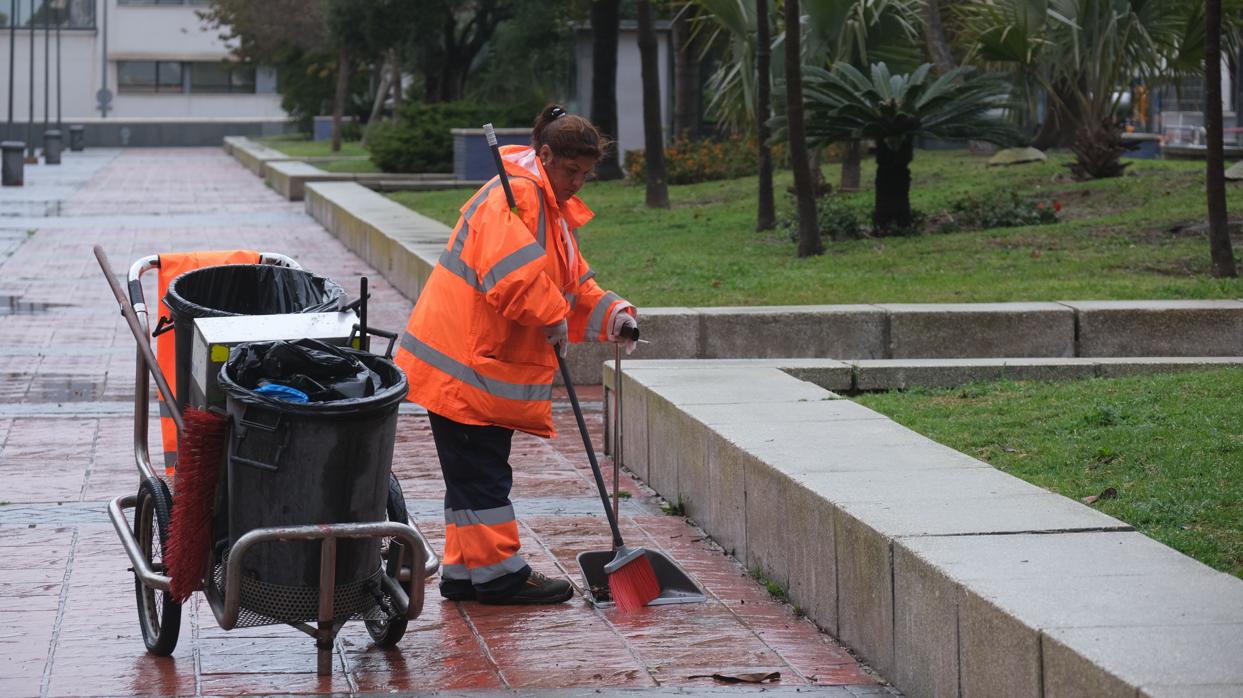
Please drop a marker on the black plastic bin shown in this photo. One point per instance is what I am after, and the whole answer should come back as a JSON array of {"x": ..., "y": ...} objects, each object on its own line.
[
  {"x": 240, "y": 289},
  {"x": 294, "y": 464}
]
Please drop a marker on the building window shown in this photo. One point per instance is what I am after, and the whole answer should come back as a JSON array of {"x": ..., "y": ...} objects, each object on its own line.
[
  {"x": 169, "y": 77},
  {"x": 68, "y": 14},
  {"x": 163, "y": 2},
  {"x": 149, "y": 76},
  {"x": 220, "y": 78}
]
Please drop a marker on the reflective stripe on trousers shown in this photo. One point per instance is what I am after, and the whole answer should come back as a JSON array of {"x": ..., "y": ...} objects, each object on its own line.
[{"x": 481, "y": 533}]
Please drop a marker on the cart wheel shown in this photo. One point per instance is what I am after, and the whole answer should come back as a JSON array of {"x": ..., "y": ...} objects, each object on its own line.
[
  {"x": 387, "y": 633},
  {"x": 158, "y": 615}
]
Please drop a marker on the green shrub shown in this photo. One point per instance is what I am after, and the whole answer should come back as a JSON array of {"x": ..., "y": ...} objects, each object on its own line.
[
  {"x": 419, "y": 140},
  {"x": 837, "y": 220},
  {"x": 999, "y": 210},
  {"x": 690, "y": 162}
]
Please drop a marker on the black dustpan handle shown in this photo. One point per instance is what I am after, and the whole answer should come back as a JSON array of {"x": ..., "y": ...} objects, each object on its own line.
[{"x": 591, "y": 452}]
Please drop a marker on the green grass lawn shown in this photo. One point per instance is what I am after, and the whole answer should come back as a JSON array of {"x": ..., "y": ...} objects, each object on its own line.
[
  {"x": 1171, "y": 446},
  {"x": 300, "y": 147},
  {"x": 1116, "y": 241}
]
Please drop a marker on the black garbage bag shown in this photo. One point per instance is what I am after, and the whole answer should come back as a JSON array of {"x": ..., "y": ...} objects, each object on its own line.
[{"x": 322, "y": 371}]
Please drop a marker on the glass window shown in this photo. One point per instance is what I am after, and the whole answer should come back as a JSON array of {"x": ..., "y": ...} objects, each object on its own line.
[
  {"x": 136, "y": 76},
  {"x": 220, "y": 78},
  {"x": 168, "y": 77},
  {"x": 72, "y": 14},
  {"x": 149, "y": 76}
]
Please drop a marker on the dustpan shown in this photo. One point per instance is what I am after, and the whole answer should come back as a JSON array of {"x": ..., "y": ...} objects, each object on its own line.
[{"x": 675, "y": 585}]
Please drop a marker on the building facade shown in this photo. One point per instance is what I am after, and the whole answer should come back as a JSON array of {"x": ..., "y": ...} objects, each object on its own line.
[{"x": 134, "y": 72}]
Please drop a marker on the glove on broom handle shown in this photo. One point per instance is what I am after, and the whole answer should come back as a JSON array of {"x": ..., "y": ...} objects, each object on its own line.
[
  {"x": 490, "y": 134},
  {"x": 591, "y": 452}
]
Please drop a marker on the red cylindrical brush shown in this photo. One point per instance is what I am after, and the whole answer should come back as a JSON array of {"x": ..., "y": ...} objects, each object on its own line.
[{"x": 188, "y": 548}]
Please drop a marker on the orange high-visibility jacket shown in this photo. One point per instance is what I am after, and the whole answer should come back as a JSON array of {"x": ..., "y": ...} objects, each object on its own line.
[{"x": 474, "y": 348}]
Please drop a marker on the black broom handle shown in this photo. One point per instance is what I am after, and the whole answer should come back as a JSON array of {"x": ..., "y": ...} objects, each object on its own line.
[{"x": 591, "y": 452}]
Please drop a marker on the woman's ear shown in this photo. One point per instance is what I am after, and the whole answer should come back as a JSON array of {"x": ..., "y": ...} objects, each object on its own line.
[{"x": 545, "y": 155}]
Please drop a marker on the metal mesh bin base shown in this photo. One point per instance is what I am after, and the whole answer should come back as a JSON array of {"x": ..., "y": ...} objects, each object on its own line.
[{"x": 272, "y": 604}]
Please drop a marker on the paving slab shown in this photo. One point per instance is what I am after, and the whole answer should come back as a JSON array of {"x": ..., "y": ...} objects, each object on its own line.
[{"x": 66, "y": 430}]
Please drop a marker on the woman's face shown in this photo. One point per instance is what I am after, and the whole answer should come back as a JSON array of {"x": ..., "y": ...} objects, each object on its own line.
[{"x": 567, "y": 175}]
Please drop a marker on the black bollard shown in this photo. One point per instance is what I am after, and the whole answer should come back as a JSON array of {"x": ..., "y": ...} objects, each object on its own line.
[
  {"x": 51, "y": 147},
  {"x": 77, "y": 138},
  {"x": 12, "y": 153}
]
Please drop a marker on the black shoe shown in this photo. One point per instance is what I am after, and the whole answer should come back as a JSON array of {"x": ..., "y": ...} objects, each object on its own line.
[
  {"x": 537, "y": 589},
  {"x": 457, "y": 589}
]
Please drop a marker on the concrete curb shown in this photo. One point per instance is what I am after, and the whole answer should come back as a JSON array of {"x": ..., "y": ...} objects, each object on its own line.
[
  {"x": 886, "y": 331},
  {"x": 252, "y": 155},
  {"x": 949, "y": 576}
]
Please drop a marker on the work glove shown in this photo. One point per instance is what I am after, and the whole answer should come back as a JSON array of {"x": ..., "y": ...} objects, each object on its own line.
[
  {"x": 624, "y": 324},
  {"x": 558, "y": 335}
]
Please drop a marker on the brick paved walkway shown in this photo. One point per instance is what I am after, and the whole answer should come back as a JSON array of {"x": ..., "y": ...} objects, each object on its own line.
[{"x": 68, "y": 624}]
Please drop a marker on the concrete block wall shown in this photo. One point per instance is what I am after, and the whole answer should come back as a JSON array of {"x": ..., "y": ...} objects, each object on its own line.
[
  {"x": 951, "y": 577},
  {"x": 405, "y": 246}
]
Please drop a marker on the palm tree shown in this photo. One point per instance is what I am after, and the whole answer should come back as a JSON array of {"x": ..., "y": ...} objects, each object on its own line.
[
  {"x": 605, "y": 22},
  {"x": 809, "y": 243},
  {"x": 765, "y": 212},
  {"x": 653, "y": 131},
  {"x": 1082, "y": 53},
  {"x": 1219, "y": 234},
  {"x": 843, "y": 104}
]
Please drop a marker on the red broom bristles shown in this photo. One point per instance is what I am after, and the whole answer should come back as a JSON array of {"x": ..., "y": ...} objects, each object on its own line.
[
  {"x": 189, "y": 536},
  {"x": 634, "y": 585}
]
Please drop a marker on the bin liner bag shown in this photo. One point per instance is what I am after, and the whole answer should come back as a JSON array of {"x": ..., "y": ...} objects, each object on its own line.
[
  {"x": 322, "y": 371},
  {"x": 251, "y": 289}
]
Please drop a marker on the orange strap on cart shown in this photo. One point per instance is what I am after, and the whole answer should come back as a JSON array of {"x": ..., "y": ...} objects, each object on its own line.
[{"x": 173, "y": 265}]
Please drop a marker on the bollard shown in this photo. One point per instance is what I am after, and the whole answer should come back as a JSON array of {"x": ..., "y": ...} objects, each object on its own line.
[
  {"x": 14, "y": 163},
  {"x": 77, "y": 138},
  {"x": 51, "y": 147}
]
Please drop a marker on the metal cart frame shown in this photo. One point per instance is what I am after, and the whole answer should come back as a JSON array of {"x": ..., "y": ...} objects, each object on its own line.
[{"x": 408, "y": 559}]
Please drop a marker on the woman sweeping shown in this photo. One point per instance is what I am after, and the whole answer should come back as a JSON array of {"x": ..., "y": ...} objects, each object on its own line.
[{"x": 510, "y": 289}]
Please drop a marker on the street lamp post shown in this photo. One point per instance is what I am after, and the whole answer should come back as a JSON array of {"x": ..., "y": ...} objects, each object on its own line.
[
  {"x": 30, "y": 123},
  {"x": 60, "y": 19},
  {"x": 47, "y": 64},
  {"x": 13, "y": 8}
]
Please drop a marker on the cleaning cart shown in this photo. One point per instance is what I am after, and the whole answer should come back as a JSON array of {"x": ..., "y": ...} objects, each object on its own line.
[{"x": 308, "y": 526}]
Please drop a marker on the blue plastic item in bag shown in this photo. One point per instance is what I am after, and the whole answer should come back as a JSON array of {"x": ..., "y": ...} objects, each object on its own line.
[{"x": 282, "y": 392}]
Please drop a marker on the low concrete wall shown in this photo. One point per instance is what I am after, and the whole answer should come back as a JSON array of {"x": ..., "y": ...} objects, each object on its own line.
[
  {"x": 254, "y": 155},
  {"x": 885, "y": 331},
  {"x": 949, "y": 576}
]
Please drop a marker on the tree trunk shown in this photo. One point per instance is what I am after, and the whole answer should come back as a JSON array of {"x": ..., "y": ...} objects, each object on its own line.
[
  {"x": 809, "y": 242},
  {"x": 1061, "y": 120},
  {"x": 893, "y": 187},
  {"x": 605, "y": 20},
  {"x": 852, "y": 168},
  {"x": 338, "y": 98},
  {"x": 653, "y": 130},
  {"x": 934, "y": 36},
  {"x": 686, "y": 74},
  {"x": 382, "y": 90},
  {"x": 766, "y": 213},
  {"x": 395, "y": 61},
  {"x": 1218, "y": 231}
]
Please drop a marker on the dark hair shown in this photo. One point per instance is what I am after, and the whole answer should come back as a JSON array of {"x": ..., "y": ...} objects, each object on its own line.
[{"x": 568, "y": 135}]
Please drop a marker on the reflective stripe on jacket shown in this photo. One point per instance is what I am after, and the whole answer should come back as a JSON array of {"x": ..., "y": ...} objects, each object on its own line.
[{"x": 474, "y": 348}]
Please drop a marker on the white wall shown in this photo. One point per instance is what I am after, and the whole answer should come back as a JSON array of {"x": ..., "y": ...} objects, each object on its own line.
[
  {"x": 629, "y": 83},
  {"x": 135, "y": 32}
]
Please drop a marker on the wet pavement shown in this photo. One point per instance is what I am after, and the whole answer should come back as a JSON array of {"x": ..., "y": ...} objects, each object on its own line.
[{"x": 68, "y": 624}]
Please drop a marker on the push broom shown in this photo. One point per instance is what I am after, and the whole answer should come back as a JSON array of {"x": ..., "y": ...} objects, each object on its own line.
[{"x": 632, "y": 581}]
